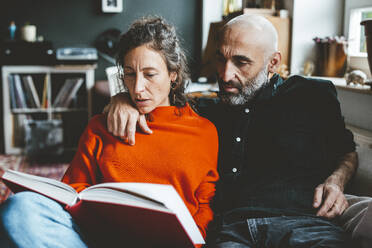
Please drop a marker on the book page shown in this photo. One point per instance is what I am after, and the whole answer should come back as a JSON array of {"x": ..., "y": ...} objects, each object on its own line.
[
  {"x": 121, "y": 197},
  {"x": 51, "y": 188},
  {"x": 165, "y": 194}
]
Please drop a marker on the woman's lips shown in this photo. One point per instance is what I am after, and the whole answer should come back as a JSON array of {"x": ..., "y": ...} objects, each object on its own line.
[{"x": 142, "y": 102}]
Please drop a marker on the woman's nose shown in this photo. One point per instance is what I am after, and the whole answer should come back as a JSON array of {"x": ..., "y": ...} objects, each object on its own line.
[{"x": 139, "y": 85}]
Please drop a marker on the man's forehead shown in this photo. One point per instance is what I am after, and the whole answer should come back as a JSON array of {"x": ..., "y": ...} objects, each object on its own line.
[{"x": 237, "y": 44}]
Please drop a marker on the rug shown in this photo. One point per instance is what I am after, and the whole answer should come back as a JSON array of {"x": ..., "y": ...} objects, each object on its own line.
[{"x": 53, "y": 170}]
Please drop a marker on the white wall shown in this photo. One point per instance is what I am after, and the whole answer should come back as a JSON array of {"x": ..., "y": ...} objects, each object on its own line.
[
  {"x": 211, "y": 12},
  {"x": 356, "y": 108},
  {"x": 310, "y": 19}
]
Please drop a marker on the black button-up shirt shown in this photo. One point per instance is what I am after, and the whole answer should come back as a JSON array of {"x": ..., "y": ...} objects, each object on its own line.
[{"x": 275, "y": 150}]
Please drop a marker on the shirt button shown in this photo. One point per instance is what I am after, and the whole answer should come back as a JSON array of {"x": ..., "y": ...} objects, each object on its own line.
[
  {"x": 234, "y": 170},
  {"x": 238, "y": 139},
  {"x": 246, "y": 110}
]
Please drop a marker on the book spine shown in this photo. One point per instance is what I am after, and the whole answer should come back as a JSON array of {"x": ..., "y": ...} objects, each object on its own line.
[
  {"x": 75, "y": 87},
  {"x": 19, "y": 91},
  {"x": 45, "y": 100},
  {"x": 13, "y": 102},
  {"x": 62, "y": 94},
  {"x": 33, "y": 90},
  {"x": 27, "y": 90}
]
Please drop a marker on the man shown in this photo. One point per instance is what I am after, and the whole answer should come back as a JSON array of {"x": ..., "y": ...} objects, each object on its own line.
[{"x": 285, "y": 155}]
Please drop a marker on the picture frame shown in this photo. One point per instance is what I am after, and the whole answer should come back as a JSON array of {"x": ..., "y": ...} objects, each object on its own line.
[{"x": 112, "y": 6}]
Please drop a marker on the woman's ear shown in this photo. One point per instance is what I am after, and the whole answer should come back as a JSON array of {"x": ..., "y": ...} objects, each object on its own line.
[
  {"x": 173, "y": 76},
  {"x": 274, "y": 62}
]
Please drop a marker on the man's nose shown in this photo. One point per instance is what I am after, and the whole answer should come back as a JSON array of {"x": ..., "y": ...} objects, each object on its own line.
[
  {"x": 228, "y": 71},
  {"x": 140, "y": 84}
]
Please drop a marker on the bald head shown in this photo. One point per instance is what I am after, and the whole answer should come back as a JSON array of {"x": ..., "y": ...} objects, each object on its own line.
[{"x": 253, "y": 29}]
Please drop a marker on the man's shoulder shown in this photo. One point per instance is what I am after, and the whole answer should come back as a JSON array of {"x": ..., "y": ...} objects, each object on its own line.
[
  {"x": 297, "y": 82},
  {"x": 307, "y": 87}
]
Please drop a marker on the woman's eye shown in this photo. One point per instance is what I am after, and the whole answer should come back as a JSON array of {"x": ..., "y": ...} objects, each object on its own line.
[{"x": 150, "y": 75}]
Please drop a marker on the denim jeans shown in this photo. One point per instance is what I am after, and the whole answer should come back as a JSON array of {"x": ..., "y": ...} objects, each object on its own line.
[
  {"x": 29, "y": 220},
  {"x": 281, "y": 232}
]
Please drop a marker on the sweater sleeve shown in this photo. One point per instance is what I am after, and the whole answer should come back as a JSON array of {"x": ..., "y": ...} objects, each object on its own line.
[
  {"x": 83, "y": 169},
  {"x": 205, "y": 194}
]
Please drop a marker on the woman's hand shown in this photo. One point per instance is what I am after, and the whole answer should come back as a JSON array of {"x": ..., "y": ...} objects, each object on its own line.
[{"x": 122, "y": 118}]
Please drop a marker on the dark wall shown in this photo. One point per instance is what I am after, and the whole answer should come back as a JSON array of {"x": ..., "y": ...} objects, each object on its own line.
[{"x": 78, "y": 22}]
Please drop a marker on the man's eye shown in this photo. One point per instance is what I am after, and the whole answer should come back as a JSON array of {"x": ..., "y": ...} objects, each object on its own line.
[{"x": 242, "y": 62}]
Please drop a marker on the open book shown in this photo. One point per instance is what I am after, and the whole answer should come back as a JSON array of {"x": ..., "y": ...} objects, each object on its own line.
[{"x": 154, "y": 213}]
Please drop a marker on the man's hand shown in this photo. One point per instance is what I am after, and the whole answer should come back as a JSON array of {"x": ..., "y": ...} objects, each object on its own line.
[
  {"x": 329, "y": 195},
  {"x": 122, "y": 118},
  {"x": 331, "y": 198}
]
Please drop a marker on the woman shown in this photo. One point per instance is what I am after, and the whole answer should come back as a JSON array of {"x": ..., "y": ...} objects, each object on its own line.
[{"x": 152, "y": 66}]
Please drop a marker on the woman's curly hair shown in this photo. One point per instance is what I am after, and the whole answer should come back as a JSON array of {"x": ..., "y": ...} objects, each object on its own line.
[{"x": 160, "y": 36}]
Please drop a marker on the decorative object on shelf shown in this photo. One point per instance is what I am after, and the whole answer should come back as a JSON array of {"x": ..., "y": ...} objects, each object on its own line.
[
  {"x": 332, "y": 57},
  {"x": 76, "y": 55},
  {"x": 231, "y": 6},
  {"x": 283, "y": 13},
  {"x": 28, "y": 33},
  {"x": 308, "y": 69},
  {"x": 106, "y": 44},
  {"x": 355, "y": 77},
  {"x": 12, "y": 30},
  {"x": 112, "y": 6},
  {"x": 268, "y": 4}
]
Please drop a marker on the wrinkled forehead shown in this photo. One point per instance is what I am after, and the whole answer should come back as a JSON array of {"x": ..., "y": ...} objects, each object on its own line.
[{"x": 239, "y": 41}]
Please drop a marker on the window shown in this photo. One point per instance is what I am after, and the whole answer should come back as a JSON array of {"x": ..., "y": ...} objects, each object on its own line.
[{"x": 357, "y": 39}]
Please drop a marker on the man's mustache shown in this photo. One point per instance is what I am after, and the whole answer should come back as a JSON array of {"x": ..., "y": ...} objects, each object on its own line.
[{"x": 230, "y": 84}]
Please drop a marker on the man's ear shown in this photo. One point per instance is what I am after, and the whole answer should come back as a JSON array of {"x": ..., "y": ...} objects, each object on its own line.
[{"x": 274, "y": 62}]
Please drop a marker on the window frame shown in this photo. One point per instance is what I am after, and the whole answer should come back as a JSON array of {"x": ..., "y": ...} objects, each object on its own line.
[{"x": 355, "y": 33}]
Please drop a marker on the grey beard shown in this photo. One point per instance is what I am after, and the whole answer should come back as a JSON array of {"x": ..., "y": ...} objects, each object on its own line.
[{"x": 248, "y": 90}]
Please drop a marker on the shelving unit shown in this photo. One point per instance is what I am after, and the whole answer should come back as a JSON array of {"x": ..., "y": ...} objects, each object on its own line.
[{"x": 74, "y": 118}]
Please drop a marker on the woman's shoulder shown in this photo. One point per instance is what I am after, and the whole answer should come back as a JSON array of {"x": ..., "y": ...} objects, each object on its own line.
[
  {"x": 200, "y": 121},
  {"x": 97, "y": 122}
]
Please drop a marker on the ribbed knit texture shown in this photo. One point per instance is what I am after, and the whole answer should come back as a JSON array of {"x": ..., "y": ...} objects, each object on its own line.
[{"x": 181, "y": 151}]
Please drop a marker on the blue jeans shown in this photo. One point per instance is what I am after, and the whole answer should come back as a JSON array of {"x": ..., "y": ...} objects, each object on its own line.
[
  {"x": 28, "y": 220},
  {"x": 281, "y": 232}
]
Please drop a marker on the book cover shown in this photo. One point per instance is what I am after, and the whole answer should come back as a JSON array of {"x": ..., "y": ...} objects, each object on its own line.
[{"x": 150, "y": 214}]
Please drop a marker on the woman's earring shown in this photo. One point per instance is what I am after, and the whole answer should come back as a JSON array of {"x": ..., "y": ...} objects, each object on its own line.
[{"x": 173, "y": 85}]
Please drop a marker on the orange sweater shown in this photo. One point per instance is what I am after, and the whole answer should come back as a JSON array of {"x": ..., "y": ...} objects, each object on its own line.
[{"x": 182, "y": 151}]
